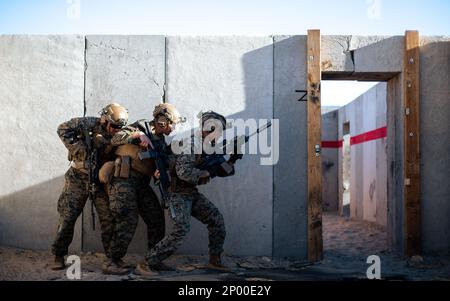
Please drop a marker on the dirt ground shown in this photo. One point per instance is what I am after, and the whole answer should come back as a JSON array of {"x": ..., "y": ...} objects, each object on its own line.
[{"x": 347, "y": 244}]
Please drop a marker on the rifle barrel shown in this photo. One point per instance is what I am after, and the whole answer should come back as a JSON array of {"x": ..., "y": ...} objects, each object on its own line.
[{"x": 264, "y": 127}]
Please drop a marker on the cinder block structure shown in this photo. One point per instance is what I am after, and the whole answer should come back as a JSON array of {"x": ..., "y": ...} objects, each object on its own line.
[{"x": 46, "y": 80}]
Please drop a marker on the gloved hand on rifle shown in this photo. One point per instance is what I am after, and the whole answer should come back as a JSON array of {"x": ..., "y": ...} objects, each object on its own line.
[
  {"x": 234, "y": 158},
  {"x": 143, "y": 139}
]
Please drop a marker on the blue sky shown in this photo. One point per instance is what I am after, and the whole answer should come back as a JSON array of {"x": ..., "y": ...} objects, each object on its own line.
[{"x": 228, "y": 17}]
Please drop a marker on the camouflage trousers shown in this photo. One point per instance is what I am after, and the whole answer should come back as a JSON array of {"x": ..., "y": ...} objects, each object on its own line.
[
  {"x": 182, "y": 207},
  {"x": 130, "y": 198},
  {"x": 70, "y": 205}
]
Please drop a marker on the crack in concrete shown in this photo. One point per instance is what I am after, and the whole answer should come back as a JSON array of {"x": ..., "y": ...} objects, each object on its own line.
[
  {"x": 106, "y": 46},
  {"x": 84, "y": 78},
  {"x": 123, "y": 50},
  {"x": 163, "y": 96},
  {"x": 155, "y": 82},
  {"x": 84, "y": 114},
  {"x": 348, "y": 50},
  {"x": 345, "y": 44}
]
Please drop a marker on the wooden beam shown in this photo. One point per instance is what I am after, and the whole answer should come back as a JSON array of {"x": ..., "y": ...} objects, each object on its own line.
[
  {"x": 359, "y": 76},
  {"x": 411, "y": 163},
  {"x": 315, "y": 244}
]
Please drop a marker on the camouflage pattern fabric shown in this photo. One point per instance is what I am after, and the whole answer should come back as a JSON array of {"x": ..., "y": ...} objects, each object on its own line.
[
  {"x": 132, "y": 197},
  {"x": 74, "y": 194},
  {"x": 128, "y": 199},
  {"x": 70, "y": 206},
  {"x": 185, "y": 201},
  {"x": 184, "y": 206}
]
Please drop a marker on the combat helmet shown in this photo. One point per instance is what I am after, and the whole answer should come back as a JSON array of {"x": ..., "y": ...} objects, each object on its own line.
[
  {"x": 211, "y": 115},
  {"x": 115, "y": 114},
  {"x": 166, "y": 113}
]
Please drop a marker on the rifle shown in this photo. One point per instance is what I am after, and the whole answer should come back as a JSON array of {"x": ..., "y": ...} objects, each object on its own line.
[
  {"x": 158, "y": 153},
  {"x": 93, "y": 169},
  {"x": 213, "y": 162}
]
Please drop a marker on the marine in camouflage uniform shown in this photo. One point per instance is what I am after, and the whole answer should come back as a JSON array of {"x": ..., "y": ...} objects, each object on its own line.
[
  {"x": 185, "y": 201},
  {"x": 131, "y": 195},
  {"x": 75, "y": 192}
]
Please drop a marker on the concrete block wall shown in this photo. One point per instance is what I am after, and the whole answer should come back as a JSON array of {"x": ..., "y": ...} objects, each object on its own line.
[
  {"x": 63, "y": 77},
  {"x": 129, "y": 70},
  {"x": 237, "y": 77},
  {"x": 368, "y": 163},
  {"x": 42, "y": 85},
  {"x": 361, "y": 54},
  {"x": 330, "y": 161},
  {"x": 233, "y": 76},
  {"x": 435, "y": 143},
  {"x": 290, "y": 174}
]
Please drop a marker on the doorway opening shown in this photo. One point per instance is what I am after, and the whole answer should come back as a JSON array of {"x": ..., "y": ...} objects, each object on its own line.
[{"x": 354, "y": 170}]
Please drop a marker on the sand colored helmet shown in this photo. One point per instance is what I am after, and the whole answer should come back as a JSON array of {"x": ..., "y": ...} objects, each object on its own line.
[
  {"x": 115, "y": 114},
  {"x": 166, "y": 113}
]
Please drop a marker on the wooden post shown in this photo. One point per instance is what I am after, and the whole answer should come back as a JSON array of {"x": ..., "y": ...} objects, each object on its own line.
[
  {"x": 411, "y": 159},
  {"x": 315, "y": 244}
]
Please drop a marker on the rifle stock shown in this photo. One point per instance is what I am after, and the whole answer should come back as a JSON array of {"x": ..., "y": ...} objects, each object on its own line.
[
  {"x": 92, "y": 159},
  {"x": 159, "y": 156}
]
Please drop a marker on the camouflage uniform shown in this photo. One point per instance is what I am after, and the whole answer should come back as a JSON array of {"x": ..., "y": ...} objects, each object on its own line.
[
  {"x": 75, "y": 192},
  {"x": 133, "y": 196},
  {"x": 185, "y": 201}
]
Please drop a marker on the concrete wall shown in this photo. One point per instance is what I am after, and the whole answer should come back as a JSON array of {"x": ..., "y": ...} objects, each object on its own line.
[
  {"x": 290, "y": 174},
  {"x": 368, "y": 163},
  {"x": 44, "y": 76},
  {"x": 347, "y": 55},
  {"x": 435, "y": 143},
  {"x": 41, "y": 86},
  {"x": 234, "y": 76},
  {"x": 330, "y": 162},
  {"x": 129, "y": 70}
]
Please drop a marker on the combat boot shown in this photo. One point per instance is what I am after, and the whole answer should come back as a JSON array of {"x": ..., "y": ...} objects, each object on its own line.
[
  {"x": 58, "y": 263},
  {"x": 123, "y": 264},
  {"x": 112, "y": 267},
  {"x": 215, "y": 263},
  {"x": 144, "y": 270}
]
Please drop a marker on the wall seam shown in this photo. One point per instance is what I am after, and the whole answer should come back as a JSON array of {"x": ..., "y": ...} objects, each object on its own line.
[
  {"x": 164, "y": 97},
  {"x": 84, "y": 114},
  {"x": 84, "y": 76},
  {"x": 273, "y": 166}
]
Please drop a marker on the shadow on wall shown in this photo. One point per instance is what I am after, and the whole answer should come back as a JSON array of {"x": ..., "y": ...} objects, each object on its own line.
[
  {"x": 29, "y": 218},
  {"x": 264, "y": 206},
  {"x": 264, "y": 214},
  {"x": 238, "y": 86},
  {"x": 241, "y": 89}
]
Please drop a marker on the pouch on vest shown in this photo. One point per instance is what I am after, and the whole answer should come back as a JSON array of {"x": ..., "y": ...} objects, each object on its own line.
[
  {"x": 125, "y": 167},
  {"x": 117, "y": 164},
  {"x": 106, "y": 172},
  {"x": 146, "y": 166}
]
